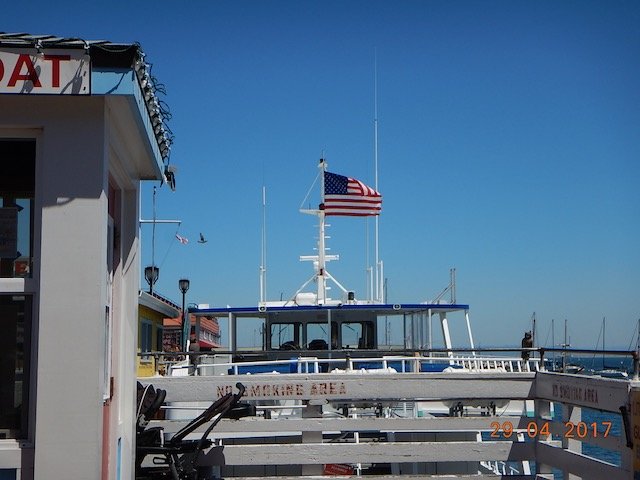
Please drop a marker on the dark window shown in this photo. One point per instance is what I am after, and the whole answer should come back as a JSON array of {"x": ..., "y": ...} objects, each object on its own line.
[
  {"x": 146, "y": 336},
  {"x": 17, "y": 187},
  {"x": 15, "y": 350}
]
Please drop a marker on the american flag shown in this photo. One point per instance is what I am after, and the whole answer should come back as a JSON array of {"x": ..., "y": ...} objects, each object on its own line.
[
  {"x": 182, "y": 240},
  {"x": 348, "y": 196}
]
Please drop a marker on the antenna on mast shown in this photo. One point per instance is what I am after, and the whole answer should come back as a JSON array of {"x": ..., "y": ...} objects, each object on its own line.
[
  {"x": 263, "y": 253},
  {"x": 379, "y": 272}
]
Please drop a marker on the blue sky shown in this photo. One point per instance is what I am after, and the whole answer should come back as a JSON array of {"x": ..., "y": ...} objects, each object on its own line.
[{"x": 509, "y": 148}]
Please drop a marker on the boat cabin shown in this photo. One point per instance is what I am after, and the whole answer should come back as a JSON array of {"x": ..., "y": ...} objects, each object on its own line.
[{"x": 277, "y": 332}]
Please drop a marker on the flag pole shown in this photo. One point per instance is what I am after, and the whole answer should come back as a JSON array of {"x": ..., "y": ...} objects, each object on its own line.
[{"x": 321, "y": 237}]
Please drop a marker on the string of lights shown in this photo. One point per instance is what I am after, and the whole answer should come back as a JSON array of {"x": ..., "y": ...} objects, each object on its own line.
[{"x": 131, "y": 55}]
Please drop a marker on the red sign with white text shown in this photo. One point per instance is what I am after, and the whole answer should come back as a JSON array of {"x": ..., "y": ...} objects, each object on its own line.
[
  {"x": 58, "y": 72},
  {"x": 337, "y": 469}
]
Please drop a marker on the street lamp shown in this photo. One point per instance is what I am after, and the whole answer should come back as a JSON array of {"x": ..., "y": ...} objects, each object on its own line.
[
  {"x": 151, "y": 275},
  {"x": 183, "y": 285}
]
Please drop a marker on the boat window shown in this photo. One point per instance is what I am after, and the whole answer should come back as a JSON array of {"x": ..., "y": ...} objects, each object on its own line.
[
  {"x": 250, "y": 331},
  {"x": 351, "y": 335},
  {"x": 317, "y": 336},
  {"x": 286, "y": 336},
  {"x": 391, "y": 331}
]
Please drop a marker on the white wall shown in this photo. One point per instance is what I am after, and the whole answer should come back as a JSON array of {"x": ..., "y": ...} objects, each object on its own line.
[{"x": 80, "y": 143}]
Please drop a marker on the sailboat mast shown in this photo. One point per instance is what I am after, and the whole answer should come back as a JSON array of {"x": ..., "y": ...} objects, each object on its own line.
[
  {"x": 533, "y": 321},
  {"x": 565, "y": 345},
  {"x": 553, "y": 343},
  {"x": 603, "y": 341}
]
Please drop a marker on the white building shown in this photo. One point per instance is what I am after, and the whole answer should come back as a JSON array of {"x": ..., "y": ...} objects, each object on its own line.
[{"x": 77, "y": 135}]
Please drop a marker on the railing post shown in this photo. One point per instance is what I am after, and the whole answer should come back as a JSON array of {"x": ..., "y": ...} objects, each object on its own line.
[
  {"x": 573, "y": 415},
  {"x": 313, "y": 410},
  {"x": 630, "y": 426},
  {"x": 542, "y": 413}
]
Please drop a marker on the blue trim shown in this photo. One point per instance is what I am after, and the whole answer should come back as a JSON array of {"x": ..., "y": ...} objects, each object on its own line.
[
  {"x": 389, "y": 308},
  {"x": 112, "y": 82}
]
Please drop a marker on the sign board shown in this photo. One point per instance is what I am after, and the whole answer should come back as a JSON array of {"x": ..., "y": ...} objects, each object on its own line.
[
  {"x": 589, "y": 392},
  {"x": 48, "y": 71},
  {"x": 337, "y": 469}
]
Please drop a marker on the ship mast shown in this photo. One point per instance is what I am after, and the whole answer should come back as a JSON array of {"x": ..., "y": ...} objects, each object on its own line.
[
  {"x": 320, "y": 275},
  {"x": 321, "y": 279}
]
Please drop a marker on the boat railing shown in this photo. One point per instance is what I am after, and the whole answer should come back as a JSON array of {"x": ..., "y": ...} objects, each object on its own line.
[
  {"x": 435, "y": 360},
  {"x": 386, "y": 364},
  {"x": 476, "y": 360}
]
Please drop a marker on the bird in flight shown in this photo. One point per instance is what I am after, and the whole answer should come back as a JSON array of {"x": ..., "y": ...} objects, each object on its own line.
[{"x": 202, "y": 239}]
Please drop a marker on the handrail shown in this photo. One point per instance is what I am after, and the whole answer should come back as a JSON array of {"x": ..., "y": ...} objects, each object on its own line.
[
  {"x": 407, "y": 363},
  {"x": 407, "y": 351},
  {"x": 341, "y": 355}
]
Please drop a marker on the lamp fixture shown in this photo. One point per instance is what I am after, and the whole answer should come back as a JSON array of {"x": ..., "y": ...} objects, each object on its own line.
[{"x": 151, "y": 274}]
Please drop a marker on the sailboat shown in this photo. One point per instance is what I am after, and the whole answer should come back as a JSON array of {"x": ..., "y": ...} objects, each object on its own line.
[
  {"x": 568, "y": 367},
  {"x": 609, "y": 371}
]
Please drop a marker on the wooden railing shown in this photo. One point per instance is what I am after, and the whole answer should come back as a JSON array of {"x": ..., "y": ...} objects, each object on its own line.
[{"x": 316, "y": 424}]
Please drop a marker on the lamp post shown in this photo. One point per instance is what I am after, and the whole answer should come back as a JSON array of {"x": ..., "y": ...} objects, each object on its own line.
[
  {"x": 151, "y": 274},
  {"x": 183, "y": 285}
]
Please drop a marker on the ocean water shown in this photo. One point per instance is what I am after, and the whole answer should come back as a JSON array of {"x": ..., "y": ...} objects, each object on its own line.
[
  {"x": 597, "y": 362},
  {"x": 589, "y": 416}
]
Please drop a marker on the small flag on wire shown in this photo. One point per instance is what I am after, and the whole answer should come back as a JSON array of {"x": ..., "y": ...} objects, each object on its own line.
[
  {"x": 182, "y": 240},
  {"x": 349, "y": 197}
]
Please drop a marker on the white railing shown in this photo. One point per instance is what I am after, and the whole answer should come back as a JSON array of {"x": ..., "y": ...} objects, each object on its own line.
[{"x": 384, "y": 364}]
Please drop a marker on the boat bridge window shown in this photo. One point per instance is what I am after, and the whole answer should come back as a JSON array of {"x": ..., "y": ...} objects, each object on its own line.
[
  {"x": 317, "y": 338},
  {"x": 357, "y": 335},
  {"x": 314, "y": 335},
  {"x": 286, "y": 336}
]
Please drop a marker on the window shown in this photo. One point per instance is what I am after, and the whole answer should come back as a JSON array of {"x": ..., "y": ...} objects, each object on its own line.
[
  {"x": 158, "y": 347},
  {"x": 286, "y": 336},
  {"x": 17, "y": 187},
  {"x": 15, "y": 351},
  {"x": 146, "y": 336},
  {"x": 351, "y": 335},
  {"x": 317, "y": 337}
]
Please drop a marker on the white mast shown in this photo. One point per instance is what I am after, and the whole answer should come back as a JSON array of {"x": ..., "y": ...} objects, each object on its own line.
[
  {"x": 320, "y": 274},
  {"x": 379, "y": 277},
  {"x": 263, "y": 253},
  {"x": 322, "y": 290}
]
